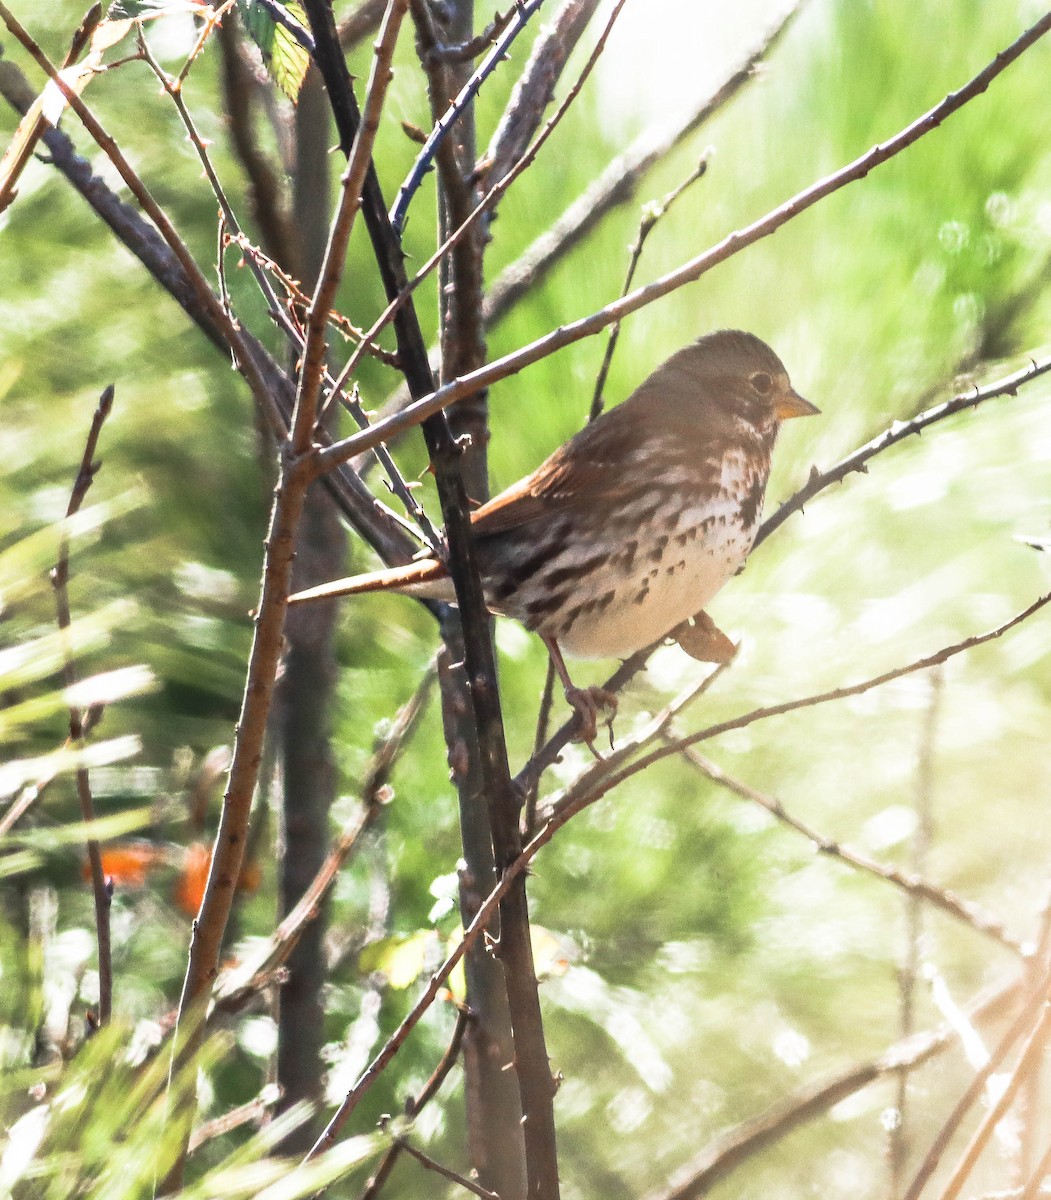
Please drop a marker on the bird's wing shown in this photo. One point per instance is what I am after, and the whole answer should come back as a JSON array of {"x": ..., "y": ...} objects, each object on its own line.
[{"x": 584, "y": 466}]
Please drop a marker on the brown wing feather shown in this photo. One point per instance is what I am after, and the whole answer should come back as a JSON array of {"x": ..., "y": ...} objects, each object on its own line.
[{"x": 584, "y": 465}]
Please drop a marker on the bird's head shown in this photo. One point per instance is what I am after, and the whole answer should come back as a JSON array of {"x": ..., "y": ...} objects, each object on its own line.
[{"x": 739, "y": 376}]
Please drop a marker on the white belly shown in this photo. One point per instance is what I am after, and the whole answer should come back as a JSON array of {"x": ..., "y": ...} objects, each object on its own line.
[{"x": 635, "y": 608}]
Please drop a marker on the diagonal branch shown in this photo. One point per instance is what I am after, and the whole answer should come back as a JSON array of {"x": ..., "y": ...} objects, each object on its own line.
[
  {"x": 898, "y": 432},
  {"x": 524, "y": 9},
  {"x": 689, "y": 272},
  {"x": 621, "y": 180},
  {"x": 740, "y": 1144},
  {"x": 603, "y": 776},
  {"x": 912, "y": 884},
  {"x": 535, "y": 87}
]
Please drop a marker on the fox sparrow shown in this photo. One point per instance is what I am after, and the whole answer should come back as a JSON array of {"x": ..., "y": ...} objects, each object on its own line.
[{"x": 631, "y": 527}]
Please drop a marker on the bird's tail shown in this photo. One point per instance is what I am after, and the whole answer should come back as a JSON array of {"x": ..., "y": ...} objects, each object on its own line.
[{"x": 426, "y": 578}]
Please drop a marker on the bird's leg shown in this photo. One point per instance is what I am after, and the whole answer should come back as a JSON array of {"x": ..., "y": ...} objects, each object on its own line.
[{"x": 587, "y": 703}]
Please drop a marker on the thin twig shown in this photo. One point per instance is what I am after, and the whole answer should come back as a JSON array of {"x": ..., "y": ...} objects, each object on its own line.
[
  {"x": 60, "y": 584},
  {"x": 1033, "y": 1047},
  {"x": 250, "y": 1113},
  {"x": 899, "y": 431},
  {"x": 358, "y": 163},
  {"x": 174, "y": 90},
  {"x": 689, "y": 272},
  {"x": 425, "y": 1160},
  {"x": 360, "y": 23},
  {"x": 246, "y": 361},
  {"x": 740, "y": 1144},
  {"x": 524, "y": 10},
  {"x": 1036, "y": 999},
  {"x": 912, "y": 953},
  {"x": 1040, "y": 1173},
  {"x": 280, "y": 16},
  {"x": 396, "y": 481},
  {"x": 651, "y": 215},
  {"x": 912, "y": 883},
  {"x": 237, "y": 984},
  {"x": 620, "y": 181},
  {"x": 602, "y": 776},
  {"x": 539, "y": 739},
  {"x": 462, "y": 52},
  {"x": 535, "y": 86},
  {"x": 414, "y": 1105},
  {"x": 240, "y": 90}
]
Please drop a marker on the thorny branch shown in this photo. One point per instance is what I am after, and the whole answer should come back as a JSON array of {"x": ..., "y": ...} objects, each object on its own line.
[
  {"x": 740, "y": 1144},
  {"x": 898, "y": 432},
  {"x": 689, "y": 272},
  {"x": 911, "y": 883},
  {"x": 621, "y": 180},
  {"x": 425, "y": 159}
]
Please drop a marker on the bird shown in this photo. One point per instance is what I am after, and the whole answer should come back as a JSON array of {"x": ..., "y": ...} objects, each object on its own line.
[{"x": 628, "y": 530}]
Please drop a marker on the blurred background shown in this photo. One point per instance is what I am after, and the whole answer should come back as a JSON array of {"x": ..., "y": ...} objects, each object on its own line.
[{"x": 704, "y": 961}]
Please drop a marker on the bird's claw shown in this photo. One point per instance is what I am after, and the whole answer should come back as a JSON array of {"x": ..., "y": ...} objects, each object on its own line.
[{"x": 588, "y": 703}]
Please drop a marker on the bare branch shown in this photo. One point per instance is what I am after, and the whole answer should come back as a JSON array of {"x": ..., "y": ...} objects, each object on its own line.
[
  {"x": 431, "y": 1165},
  {"x": 524, "y": 9},
  {"x": 689, "y": 272},
  {"x": 1033, "y": 1047},
  {"x": 621, "y": 180},
  {"x": 415, "y": 1104},
  {"x": 603, "y": 776},
  {"x": 60, "y": 584},
  {"x": 911, "y": 883},
  {"x": 898, "y": 432},
  {"x": 236, "y": 985},
  {"x": 742, "y": 1143},
  {"x": 651, "y": 215},
  {"x": 535, "y": 86}
]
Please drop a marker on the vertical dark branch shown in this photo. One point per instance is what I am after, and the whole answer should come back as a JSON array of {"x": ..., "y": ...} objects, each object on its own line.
[
  {"x": 60, "y": 584},
  {"x": 536, "y": 1084},
  {"x": 491, "y": 1093}
]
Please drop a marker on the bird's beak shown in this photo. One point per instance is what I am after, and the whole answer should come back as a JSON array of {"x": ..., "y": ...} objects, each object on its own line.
[{"x": 791, "y": 404}]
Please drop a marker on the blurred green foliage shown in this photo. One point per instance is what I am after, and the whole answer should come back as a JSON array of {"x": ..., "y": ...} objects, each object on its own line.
[{"x": 714, "y": 962}]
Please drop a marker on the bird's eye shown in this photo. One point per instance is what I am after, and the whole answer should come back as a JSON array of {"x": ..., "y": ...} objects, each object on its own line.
[{"x": 761, "y": 382}]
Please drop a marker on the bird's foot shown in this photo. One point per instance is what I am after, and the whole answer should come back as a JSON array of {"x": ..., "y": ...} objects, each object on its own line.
[
  {"x": 588, "y": 703},
  {"x": 703, "y": 640}
]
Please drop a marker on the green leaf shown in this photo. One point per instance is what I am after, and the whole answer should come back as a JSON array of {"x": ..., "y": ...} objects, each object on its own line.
[
  {"x": 285, "y": 58},
  {"x": 401, "y": 957}
]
